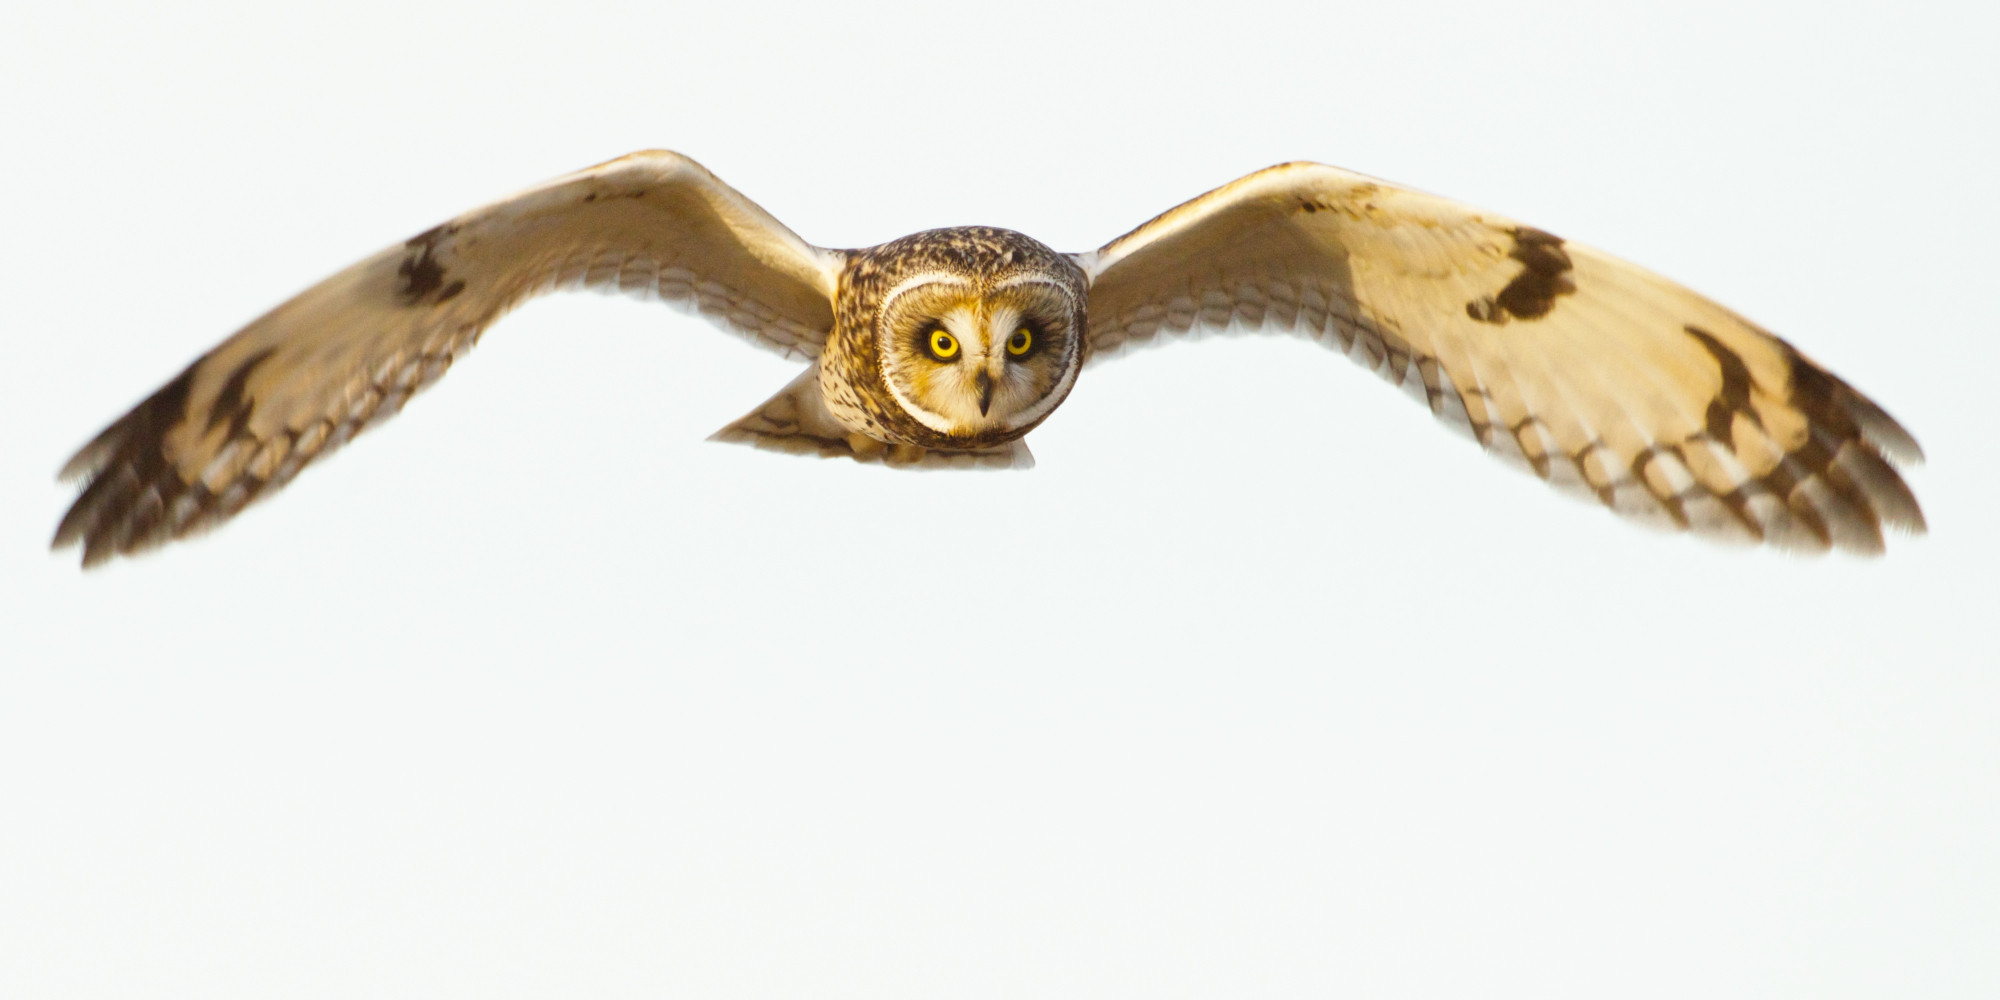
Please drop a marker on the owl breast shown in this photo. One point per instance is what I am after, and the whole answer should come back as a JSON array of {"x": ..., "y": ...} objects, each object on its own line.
[{"x": 954, "y": 339}]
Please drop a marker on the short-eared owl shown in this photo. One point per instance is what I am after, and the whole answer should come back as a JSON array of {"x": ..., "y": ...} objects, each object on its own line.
[{"x": 946, "y": 347}]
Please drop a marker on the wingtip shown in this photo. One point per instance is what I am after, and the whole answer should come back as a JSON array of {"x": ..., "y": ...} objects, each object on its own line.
[
  {"x": 96, "y": 453},
  {"x": 1884, "y": 432},
  {"x": 81, "y": 465},
  {"x": 1913, "y": 524},
  {"x": 79, "y": 521}
]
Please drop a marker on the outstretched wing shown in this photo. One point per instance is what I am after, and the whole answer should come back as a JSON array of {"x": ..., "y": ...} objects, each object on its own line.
[
  {"x": 1591, "y": 372},
  {"x": 346, "y": 353}
]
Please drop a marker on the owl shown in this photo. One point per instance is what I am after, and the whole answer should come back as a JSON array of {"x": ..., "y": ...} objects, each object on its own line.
[{"x": 947, "y": 347}]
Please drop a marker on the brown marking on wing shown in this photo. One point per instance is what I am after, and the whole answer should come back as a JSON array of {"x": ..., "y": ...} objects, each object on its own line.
[
  {"x": 423, "y": 276},
  {"x": 1533, "y": 449},
  {"x": 1733, "y": 397},
  {"x": 1674, "y": 502},
  {"x": 229, "y": 403},
  {"x": 1353, "y": 203},
  {"x": 1589, "y": 472},
  {"x": 1544, "y": 277},
  {"x": 1738, "y": 503}
]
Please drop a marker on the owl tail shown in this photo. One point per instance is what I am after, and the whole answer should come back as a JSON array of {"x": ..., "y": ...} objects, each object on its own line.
[
  {"x": 797, "y": 420},
  {"x": 794, "y": 420}
]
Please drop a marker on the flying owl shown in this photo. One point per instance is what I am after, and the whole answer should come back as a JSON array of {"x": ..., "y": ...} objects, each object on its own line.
[{"x": 946, "y": 347}]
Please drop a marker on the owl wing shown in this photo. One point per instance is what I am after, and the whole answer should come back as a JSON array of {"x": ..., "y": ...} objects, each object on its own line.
[
  {"x": 1594, "y": 374},
  {"x": 346, "y": 353}
]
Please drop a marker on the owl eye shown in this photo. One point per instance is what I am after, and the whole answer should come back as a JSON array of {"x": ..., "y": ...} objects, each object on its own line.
[
  {"x": 943, "y": 345},
  {"x": 1019, "y": 343}
]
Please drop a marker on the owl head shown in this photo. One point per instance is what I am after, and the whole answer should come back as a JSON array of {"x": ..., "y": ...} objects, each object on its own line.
[{"x": 978, "y": 333}]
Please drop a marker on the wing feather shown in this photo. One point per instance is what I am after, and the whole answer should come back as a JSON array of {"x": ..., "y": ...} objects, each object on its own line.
[
  {"x": 295, "y": 384},
  {"x": 1596, "y": 375}
]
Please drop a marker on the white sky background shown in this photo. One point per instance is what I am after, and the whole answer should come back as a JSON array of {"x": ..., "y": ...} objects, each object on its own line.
[{"x": 1261, "y": 684}]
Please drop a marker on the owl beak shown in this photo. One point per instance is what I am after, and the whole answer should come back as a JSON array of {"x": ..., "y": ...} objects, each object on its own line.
[{"x": 984, "y": 380}]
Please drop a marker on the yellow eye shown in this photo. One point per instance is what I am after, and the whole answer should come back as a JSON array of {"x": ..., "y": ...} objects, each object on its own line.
[
  {"x": 1019, "y": 343},
  {"x": 943, "y": 345}
]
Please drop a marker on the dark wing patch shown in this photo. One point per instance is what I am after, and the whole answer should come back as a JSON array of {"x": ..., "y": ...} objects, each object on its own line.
[
  {"x": 422, "y": 273},
  {"x": 229, "y": 403},
  {"x": 1545, "y": 277},
  {"x": 1733, "y": 399}
]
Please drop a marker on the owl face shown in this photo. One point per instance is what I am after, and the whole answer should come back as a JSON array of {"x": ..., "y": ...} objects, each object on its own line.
[
  {"x": 969, "y": 362},
  {"x": 981, "y": 337}
]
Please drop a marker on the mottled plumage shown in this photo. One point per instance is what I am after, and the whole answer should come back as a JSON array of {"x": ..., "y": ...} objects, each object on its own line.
[{"x": 944, "y": 348}]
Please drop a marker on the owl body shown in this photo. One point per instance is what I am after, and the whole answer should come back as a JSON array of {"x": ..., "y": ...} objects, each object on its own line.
[{"x": 947, "y": 347}]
